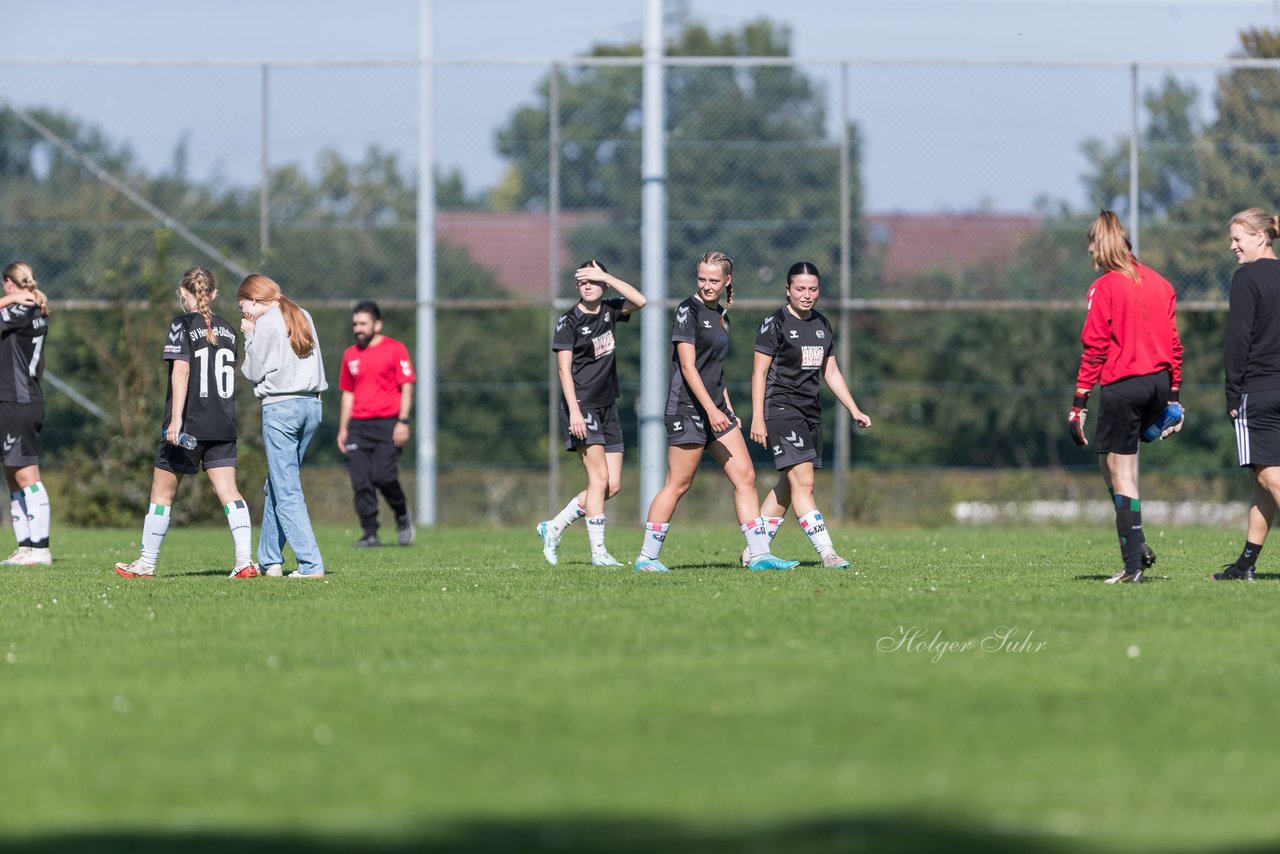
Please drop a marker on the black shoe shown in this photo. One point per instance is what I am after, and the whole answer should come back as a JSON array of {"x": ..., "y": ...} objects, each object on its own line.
[
  {"x": 1148, "y": 557},
  {"x": 404, "y": 529},
  {"x": 368, "y": 541},
  {"x": 1231, "y": 572},
  {"x": 1126, "y": 576}
]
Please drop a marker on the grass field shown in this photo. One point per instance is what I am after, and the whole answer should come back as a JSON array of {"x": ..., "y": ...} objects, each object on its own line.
[{"x": 461, "y": 694}]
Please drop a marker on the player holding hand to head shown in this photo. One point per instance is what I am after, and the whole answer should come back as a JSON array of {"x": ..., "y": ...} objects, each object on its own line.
[
  {"x": 200, "y": 350},
  {"x": 584, "y": 345},
  {"x": 793, "y": 353},
  {"x": 1131, "y": 346},
  {"x": 699, "y": 417},
  {"x": 24, "y": 325}
]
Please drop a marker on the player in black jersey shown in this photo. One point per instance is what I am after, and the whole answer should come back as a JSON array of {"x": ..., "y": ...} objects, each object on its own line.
[
  {"x": 200, "y": 349},
  {"x": 24, "y": 326},
  {"x": 699, "y": 417},
  {"x": 584, "y": 346},
  {"x": 793, "y": 350}
]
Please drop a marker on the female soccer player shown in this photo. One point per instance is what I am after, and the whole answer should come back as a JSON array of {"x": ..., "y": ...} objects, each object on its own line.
[
  {"x": 1252, "y": 361},
  {"x": 199, "y": 401},
  {"x": 1131, "y": 346},
  {"x": 24, "y": 324},
  {"x": 282, "y": 360},
  {"x": 793, "y": 348},
  {"x": 584, "y": 348},
  {"x": 699, "y": 416}
]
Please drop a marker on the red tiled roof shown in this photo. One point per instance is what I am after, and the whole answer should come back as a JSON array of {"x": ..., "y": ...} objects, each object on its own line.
[{"x": 515, "y": 246}]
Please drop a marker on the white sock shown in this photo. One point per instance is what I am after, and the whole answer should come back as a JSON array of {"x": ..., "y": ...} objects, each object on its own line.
[
  {"x": 816, "y": 530},
  {"x": 757, "y": 534},
  {"x": 38, "y": 514},
  {"x": 572, "y": 512},
  {"x": 595, "y": 533},
  {"x": 21, "y": 521},
  {"x": 154, "y": 527},
  {"x": 655, "y": 534},
  {"x": 772, "y": 524},
  {"x": 241, "y": 530}
]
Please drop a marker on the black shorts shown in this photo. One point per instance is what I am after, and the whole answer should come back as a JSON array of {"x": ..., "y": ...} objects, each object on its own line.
[
  {"x": 1258, "y": 429},
  {"x": 689, "y": 428},
  {"x": 1125, "y": 407},
  {"x": 21, "y": 424},
  {"x": 603, "y": 428},
  {"x": 794, "y": 441},
  {"x": 214, "y": 455}
]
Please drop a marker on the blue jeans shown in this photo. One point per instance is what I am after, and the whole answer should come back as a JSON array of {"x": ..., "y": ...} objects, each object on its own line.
[{"x": 287, "y": 428}]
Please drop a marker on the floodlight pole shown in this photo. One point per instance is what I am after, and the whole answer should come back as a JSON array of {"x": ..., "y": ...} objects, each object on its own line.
[
  {"x": 654, "y": 324},
  {"x": 425, "y": 392},
  {"x": 1133, "y": 156}
]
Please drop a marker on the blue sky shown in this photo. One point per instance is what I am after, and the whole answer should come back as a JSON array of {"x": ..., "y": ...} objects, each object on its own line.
[{"x": 938, "y": 136}]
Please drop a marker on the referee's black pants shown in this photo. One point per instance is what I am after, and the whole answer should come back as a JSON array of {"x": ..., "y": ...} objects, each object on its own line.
[{"x": 373, "y": 462}]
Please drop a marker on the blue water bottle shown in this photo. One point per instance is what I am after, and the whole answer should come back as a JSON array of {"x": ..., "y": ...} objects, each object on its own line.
[{"x": 1172, "y": 415}]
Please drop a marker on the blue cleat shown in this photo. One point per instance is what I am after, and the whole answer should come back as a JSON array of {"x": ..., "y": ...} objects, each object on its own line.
[
  {"x": 650, "y": 565},
  {"x": 550, "y": 542},
  {"x": 771, "y": 562}
]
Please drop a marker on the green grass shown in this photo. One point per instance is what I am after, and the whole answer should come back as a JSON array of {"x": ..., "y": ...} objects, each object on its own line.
[{"x": 463, "y": 694}]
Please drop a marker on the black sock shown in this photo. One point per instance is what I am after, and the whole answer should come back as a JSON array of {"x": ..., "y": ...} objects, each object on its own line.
[
  {"x": 1129, "y": 531},
  {"x": 1249, "y": 556}
]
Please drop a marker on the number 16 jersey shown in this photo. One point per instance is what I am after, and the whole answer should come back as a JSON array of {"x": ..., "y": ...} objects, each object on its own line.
[
  {"x": 210, "y": 411},
  {"x": 22, "y": 336}
]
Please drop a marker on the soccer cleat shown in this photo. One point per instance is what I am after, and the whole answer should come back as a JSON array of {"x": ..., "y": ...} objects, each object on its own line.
[
  {"x": 831, "y": 560},
  {"x": 405, "y": 532},
  {"x": 1126, "y": 576},
  {"x": 1231, "y": 572},
  {"x": 1148, "y": 557},
  {"x": 550, "y": 542},
  {"x": 307, "y": 573},
  {"x": 771, "y": 562},
  {"x": 273, "y": 570},
  {"x": 249, "y": 570},
  {"x": 16, "y": 559},
  {"x": 646, "y": 564},
  {"x": 605, "y": 559},
  {"x": 34, "y": 557},
  {"x": 137, "y": 569},
  {"x": 746, "y": 557},
  {"x": 368, "y": 541}
]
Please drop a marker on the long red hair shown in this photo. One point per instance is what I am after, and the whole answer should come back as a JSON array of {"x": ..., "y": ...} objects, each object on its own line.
[{"x": 263, "y": 289}]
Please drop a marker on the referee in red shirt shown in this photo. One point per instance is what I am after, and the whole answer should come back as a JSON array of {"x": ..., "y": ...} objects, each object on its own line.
[
  {"x": 1131, "y": 346},
  {"x": 376, "y": 380}
]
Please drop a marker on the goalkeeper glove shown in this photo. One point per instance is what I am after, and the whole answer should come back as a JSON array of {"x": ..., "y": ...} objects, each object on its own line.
[{"x": 1075, "y": 421}]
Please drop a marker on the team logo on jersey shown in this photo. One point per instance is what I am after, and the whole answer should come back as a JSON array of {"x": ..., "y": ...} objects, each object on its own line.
[
  {"x": 811, "y": 357},
  {"x": 603, "y": 344},
  {"x": 406, "y": 368},
  {"x": 821, "y": 334},
  {"x": 354, "y": 366},
  {"x": 175, "y": 331},
  {"x": 706, "y": 324},
  {"x": 9, "y": 439},
  {"x": 586, "y": 330},
  {"x": 793, "y": 334}
]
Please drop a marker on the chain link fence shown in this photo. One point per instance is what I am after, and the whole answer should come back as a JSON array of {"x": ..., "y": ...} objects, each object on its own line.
[{"x": 958, "y": 324}]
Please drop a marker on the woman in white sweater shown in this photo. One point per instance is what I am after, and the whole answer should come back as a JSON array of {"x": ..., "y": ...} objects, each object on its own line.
[{"x": 282, "y": 360}]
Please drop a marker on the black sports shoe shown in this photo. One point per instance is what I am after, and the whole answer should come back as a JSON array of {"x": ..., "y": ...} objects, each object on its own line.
[
  {"x": 368, "y": 541},
  {"x": 1231, "y": 572},
  {"x": 1148, "y": 557},
  {"x": 1126, "y": 576}
]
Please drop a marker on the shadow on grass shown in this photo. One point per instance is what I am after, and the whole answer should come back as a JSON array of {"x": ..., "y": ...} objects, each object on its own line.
[{"x": 578, "y": 836}]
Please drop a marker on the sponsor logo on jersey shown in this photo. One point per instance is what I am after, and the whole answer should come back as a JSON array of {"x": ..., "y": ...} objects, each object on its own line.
[
  {"x": 406, "y": 368},
  {"x": 172, "y": 348},
  {"x": 561, "y": 323},
  {"x": 777, "y": 450},
  {"x": 682, "y": 315},
  {"x": 677, "y": 426},
  {"x": 218, "y": 331},
  {"x": 791, "y": 333},
  {"x": 764, "y": 327},
  {"x": 354, "y": 366},
  {"x": 706, "y": 324},
  {"x": 586, "y": 330},
  {"x": 603, "y": 344},
  {"x": 811, "y": 357}
]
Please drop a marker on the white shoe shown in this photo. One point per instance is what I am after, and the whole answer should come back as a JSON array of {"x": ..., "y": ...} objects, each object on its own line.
[
  {"x": 34, "y": 557},
  {"x": 550, "y": 542},
  {"x": 831, "y": 560},
  {"x": 605, "y": 559},
  {"x": 16, "y": 559},
  {"x": 746, "y": 557},
  {"x": 273, "y": 570},
  {"x": 137, "y": 569}
]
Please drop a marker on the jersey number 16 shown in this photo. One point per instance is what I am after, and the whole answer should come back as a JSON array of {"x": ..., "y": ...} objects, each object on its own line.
[{"x": 224, "y": 373}]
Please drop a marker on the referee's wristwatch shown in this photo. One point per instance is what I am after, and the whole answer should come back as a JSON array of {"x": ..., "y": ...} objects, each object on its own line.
[{"x": 403, "y": 420}]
